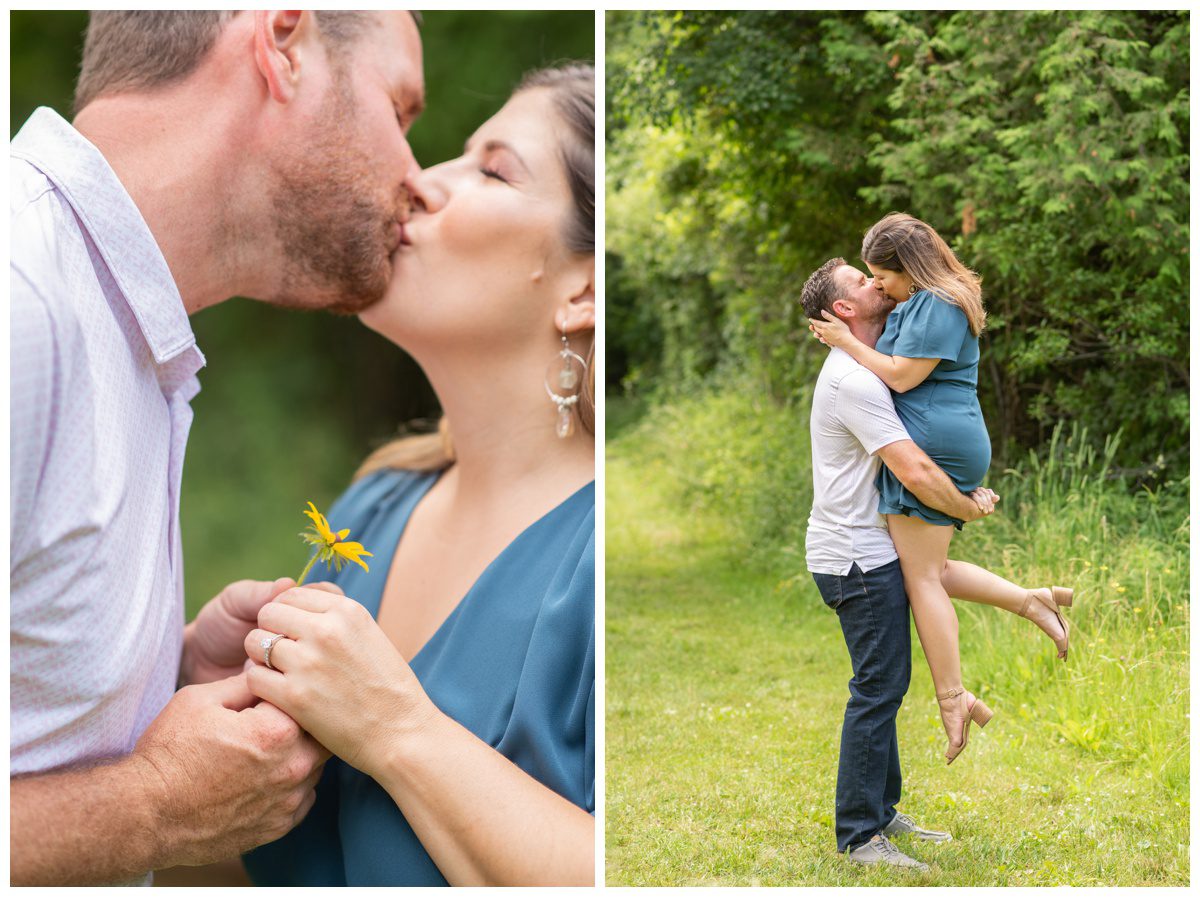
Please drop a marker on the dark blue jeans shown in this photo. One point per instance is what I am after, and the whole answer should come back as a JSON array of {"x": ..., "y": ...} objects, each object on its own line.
[{"x": 873, "y": 610}]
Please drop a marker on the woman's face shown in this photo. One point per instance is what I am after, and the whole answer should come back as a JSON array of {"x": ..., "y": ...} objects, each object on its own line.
[
  {"x": 894, "y": 284},
  {"x": 482, "y": 265}
]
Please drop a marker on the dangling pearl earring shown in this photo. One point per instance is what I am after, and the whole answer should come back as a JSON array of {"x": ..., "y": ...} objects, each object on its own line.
[{"x": 566, "y": 371}]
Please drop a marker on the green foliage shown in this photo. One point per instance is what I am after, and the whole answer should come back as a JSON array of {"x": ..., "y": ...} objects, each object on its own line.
[
  {"x": 291, "y": 402},
  {"x": 1055, "y": 143},
  {"x": 727, "y": 674},
  {"x": 1048, "y": 147},
  {"x": 732, "y": 452}
]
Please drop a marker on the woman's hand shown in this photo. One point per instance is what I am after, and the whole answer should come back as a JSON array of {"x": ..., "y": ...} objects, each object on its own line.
[
  {"x": 832, "y": 331},
  {"x": 213, "y": 642},
  {"x": 337, "y": 675}
]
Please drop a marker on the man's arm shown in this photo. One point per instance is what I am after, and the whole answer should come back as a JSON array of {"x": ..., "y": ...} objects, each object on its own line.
[
  {"x": 865, "y": 408},
  {"x": 86, "y": 826},
  {"x": 214, "y": 775},
  {"x": 928, "y": 482}
]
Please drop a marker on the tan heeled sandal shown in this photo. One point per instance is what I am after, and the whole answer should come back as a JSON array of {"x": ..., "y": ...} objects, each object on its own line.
[
  {"x": 1059, "y": 597},
  {"x": 977, "y": 711}
]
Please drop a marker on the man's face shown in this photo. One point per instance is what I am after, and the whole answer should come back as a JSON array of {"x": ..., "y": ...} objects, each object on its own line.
[
  {"x": 339, "y": 196},
  {"x": 858, "y": 291}
]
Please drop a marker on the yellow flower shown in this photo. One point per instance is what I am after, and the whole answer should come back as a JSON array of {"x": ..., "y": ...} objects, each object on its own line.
[{"x": 331, "y": 547}]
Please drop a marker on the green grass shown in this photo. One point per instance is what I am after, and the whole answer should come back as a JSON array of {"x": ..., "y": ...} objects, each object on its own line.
[{"x": 726, "y": 674}]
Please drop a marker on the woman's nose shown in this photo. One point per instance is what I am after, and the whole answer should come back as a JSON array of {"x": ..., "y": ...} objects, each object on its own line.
[{"x": 427, "y": 189}]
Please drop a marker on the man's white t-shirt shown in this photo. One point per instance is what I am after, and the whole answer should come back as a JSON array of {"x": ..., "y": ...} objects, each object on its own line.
[{"x": 852, "y": 418}]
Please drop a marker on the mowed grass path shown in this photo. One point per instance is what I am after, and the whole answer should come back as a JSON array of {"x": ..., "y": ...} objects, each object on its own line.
[{"x": 725, "y": 687}]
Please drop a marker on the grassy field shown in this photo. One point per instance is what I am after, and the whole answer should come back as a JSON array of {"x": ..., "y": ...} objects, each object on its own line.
[{"x": 726, "y": 674}]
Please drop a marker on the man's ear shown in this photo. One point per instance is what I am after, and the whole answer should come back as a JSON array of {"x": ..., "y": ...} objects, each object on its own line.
[
  {"x": 278, "y": 38},
  {"x": 842, "y": 308},
  {"x": 578, "y": 311}
]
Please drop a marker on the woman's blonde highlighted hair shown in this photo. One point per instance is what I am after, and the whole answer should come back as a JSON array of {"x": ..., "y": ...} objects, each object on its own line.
[
  {"x": 574, "y": 88},
  {"x": 906, "y": 244}
]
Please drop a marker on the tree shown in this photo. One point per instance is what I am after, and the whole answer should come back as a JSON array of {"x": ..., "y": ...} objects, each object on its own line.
[{"x": 1048, "y": 147}]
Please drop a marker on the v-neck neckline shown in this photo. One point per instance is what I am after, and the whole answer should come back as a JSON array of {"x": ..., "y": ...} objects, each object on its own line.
[{"x": 461, "y": 603}]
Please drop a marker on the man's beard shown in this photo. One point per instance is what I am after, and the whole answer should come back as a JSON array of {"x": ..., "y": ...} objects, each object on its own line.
[
  {"x": 884, "y": 306},
  {"x": 331, "y": 221}
]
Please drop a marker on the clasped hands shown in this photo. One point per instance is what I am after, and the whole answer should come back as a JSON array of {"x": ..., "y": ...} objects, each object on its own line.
[
  {"x": 985, "y": 499},
  {"x": 335, "y": 671},
  {"x": 232, "y": 761}
]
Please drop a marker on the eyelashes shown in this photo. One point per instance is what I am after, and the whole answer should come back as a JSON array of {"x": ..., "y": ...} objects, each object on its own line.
[{"x": 492, "y": 173}]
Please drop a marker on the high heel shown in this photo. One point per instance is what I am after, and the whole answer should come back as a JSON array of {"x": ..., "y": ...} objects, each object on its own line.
[
  {"x": 977, "y": 712},
  {"x": 1060, "y": 596}
]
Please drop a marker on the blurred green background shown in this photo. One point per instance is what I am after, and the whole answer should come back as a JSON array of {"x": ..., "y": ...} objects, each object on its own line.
[{"x": 292, "y": 402}]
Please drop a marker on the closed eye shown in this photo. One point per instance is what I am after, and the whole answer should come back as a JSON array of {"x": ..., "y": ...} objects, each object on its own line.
[{"x": 492, "y": 173}]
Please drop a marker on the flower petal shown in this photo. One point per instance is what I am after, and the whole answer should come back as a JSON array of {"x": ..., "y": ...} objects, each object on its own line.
[
  {"x": 320, "y": 523},
  {"x": 353, "y": 551}
]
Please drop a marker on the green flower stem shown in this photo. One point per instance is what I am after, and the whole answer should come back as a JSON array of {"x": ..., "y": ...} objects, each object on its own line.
[{"x": 312, "y": 560}]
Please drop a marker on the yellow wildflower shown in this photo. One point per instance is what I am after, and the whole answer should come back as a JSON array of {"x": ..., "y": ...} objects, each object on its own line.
[{"x": 331, "y": 547}]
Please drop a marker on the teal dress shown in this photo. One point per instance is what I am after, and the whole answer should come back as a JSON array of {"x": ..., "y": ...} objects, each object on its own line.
[
  {"x": 941, "y": 414},
  {"x": 514, "y": 663}
]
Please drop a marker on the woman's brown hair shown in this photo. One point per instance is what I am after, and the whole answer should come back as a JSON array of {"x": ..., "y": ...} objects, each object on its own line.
[{"x": 900, "y": 242}]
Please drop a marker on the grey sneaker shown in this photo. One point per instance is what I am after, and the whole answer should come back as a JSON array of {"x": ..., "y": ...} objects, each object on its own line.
[
  {"x": 903, "y": 824},
  {"x": 880, "y": 850}
]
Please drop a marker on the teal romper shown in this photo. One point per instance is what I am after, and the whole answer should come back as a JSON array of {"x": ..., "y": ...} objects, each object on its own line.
[
  {"x": 942, "y": 413},
  {"x": 514, "y": 663}
]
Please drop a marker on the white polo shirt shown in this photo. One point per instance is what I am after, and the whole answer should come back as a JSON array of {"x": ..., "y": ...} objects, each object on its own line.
[
  {"x": 103, "y": 367},
  {"x": 852, "y": 418}
]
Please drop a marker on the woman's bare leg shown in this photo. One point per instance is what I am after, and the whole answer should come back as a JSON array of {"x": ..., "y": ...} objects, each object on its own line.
[
  {"x": 968, "y": 582},
  {"x": 922, "y": 548}
]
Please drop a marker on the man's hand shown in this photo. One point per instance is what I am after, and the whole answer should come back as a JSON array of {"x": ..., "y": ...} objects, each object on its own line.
[
  {"x": 928, "y": 482},
  {"x": 985, "y": 500},
  {"x": 213, "y": 642},
  {"x": 216, "y": 774},
  {"x": 225, "y": 772}
]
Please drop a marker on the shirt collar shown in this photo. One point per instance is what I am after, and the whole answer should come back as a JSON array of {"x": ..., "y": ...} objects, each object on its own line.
[{"x": 83, "y": 176}]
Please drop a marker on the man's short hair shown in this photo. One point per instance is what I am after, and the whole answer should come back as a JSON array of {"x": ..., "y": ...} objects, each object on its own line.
[
  {"x": 137, "y": 50},
  {"x": 822, "y": 289}
]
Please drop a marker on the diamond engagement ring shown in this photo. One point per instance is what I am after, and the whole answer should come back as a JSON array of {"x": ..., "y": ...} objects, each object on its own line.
[{"x": 267, "y": 644}]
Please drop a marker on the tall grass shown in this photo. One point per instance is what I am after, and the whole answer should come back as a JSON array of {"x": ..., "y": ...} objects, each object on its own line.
[
  {"x": 1069, "y": 519},
  {"x": 726, "y": 673}
]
